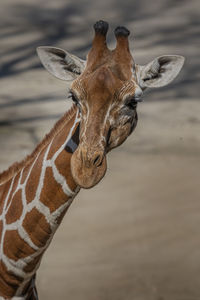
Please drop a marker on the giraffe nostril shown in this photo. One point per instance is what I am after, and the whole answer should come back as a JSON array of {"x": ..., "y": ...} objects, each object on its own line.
[
  {"x": 90, "y": 159},
  {"x": 98, "y": 160}
]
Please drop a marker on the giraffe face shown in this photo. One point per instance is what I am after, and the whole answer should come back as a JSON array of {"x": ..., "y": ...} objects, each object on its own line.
[
  {"x": 108, "y": 116},
  {"x": 106, "y": 88},
  {"x": 107, "y": 94}
]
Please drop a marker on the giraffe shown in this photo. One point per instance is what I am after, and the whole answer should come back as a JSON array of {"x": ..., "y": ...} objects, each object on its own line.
[{"x": 36, "y": 193}]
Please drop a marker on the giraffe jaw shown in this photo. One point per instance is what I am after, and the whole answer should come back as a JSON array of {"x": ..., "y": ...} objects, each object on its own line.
[{"x": 84, "y": 176}]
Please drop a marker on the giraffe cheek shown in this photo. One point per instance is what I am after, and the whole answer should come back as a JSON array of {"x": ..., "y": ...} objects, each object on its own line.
[{"x": 86, "y": 177}]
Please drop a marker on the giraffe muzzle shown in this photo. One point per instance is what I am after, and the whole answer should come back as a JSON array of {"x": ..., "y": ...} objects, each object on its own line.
[{"x": 88, "y": 166}]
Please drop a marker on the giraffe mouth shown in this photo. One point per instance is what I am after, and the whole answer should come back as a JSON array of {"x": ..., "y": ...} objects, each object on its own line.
[{"x": 87, "y": 171}]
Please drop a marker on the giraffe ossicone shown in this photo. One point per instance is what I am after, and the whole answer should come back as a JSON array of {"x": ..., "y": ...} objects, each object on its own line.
[{"x": 36, "y": 193}]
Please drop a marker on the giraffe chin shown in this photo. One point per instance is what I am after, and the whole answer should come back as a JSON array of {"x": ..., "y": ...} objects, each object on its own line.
[{"x": 86, "y": 177}]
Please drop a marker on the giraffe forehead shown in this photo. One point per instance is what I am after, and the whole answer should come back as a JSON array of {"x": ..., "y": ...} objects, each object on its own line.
[
  {"x": 103, "y": 81},
  {"x": 120, "y": 66},
  {"x": 98, "y": 84}
]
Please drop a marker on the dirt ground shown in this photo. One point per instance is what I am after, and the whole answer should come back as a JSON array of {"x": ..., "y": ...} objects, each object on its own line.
[{"x": 135, "y": 236}]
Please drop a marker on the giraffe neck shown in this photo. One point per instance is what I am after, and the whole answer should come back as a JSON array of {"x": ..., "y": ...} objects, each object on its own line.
[{"x": 32, "y": 205}]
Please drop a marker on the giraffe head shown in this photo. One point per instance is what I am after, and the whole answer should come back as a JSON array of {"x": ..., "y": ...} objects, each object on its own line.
[{"x": 106, "y": 88}]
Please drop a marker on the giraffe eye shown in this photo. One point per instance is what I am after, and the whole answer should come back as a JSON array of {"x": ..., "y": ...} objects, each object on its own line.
[
  {"x": 132, "y": 100},
  {"x": 131, "y": 103}
]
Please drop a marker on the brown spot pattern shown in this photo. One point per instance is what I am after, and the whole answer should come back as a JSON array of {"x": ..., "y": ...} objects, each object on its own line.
[
  {"x": 8, "y": 282},
  {"x": 25, "y": 173},
  {"x": 63, "y": 165},
  {"x": 37, "y": 227},
  {"x": 15, "y": 247},
  {"x": 1, "y": 228},
  {"x": 31, "y": 266},
  {"x": 60, "y": 138},
  {"x": 52, "y": 194},
  {"x": 59, "y": 218},
  {"x": 15, "y": 184},
  {"x": 15, "y": 209},
  {"x": 3, "y": 193},
  {"x": 33, "y": 180}
]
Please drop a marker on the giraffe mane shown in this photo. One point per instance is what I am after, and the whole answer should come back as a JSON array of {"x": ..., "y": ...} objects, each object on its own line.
[{"x": 17, "y": 166}]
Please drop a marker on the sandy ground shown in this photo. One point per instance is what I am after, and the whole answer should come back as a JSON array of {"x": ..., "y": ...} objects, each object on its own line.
[{"x": 135, "y": 235}]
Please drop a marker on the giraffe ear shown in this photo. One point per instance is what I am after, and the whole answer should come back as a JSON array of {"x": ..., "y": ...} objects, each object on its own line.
[
  {"x": 60, "y": 63},
  {"x": 159, "y": 72}
]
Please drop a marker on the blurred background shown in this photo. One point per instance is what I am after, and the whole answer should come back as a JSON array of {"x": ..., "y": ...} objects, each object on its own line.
[{"x": 137, "y": 234}]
